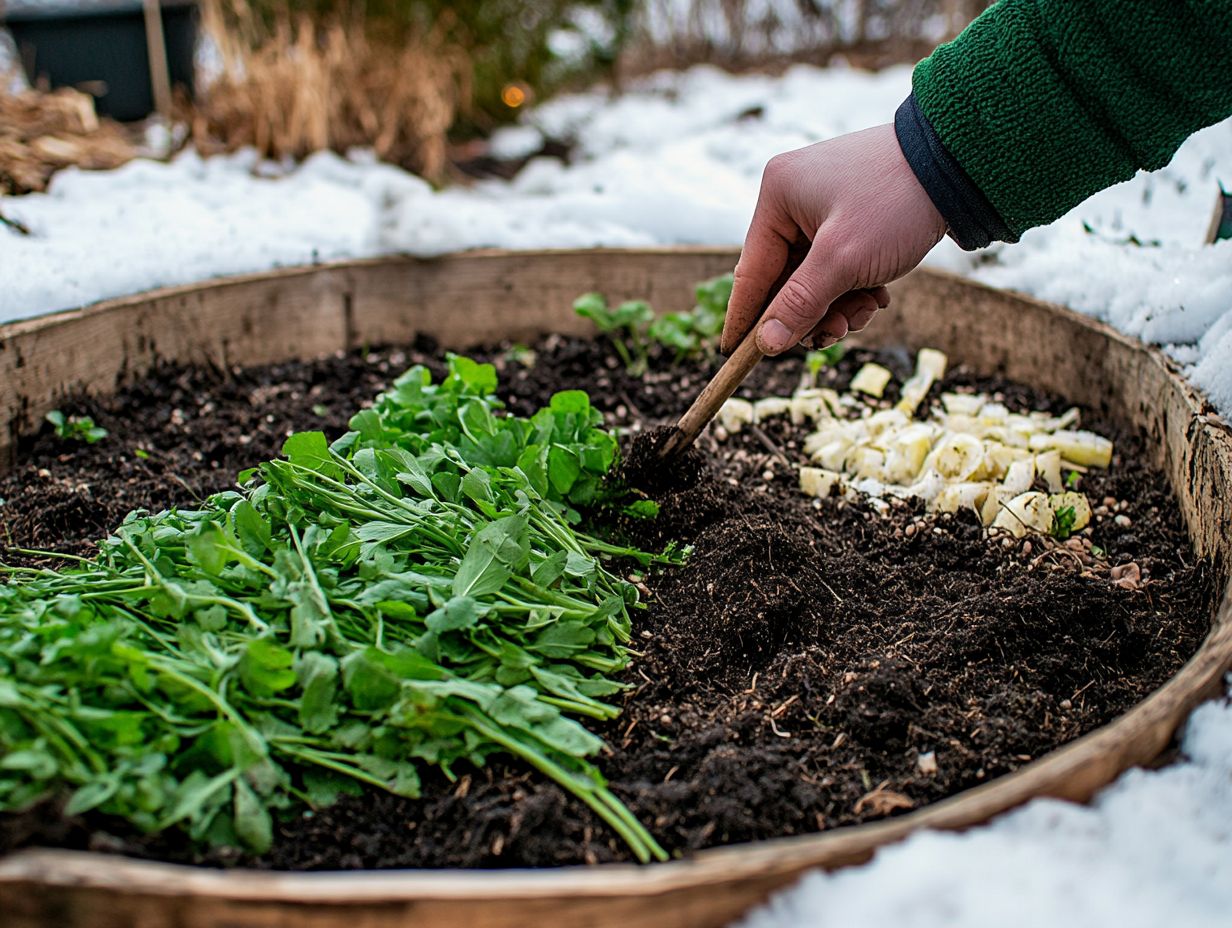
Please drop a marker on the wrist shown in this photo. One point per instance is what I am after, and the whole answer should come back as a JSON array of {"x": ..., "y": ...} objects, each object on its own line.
[{"x": 971, "y": 220}]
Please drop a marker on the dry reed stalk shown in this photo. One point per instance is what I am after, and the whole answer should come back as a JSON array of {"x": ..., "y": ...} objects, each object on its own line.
[
  {"x": 40, "y": 133},
  {"x": 302, "y": 86}
]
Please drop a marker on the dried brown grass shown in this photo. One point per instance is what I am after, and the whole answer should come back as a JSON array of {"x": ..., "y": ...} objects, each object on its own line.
[
  {"x": 40, "y": 133},
  {"x": 744, "y": 35},
  {"x": 299, "y": 86}
]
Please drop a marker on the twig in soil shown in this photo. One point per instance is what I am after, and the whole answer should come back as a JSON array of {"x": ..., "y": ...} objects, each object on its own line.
[
  {"x": 1081, "y": 691},
  {"x": 838, "y": 599},
  {"x": 631, "y": 406},
  {"x": 769, "y": 444},
  {"x": 778, "y": 712}
]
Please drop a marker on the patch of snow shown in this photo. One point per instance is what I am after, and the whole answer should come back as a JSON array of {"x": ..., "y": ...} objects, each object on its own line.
[
  {"x": 1153, "y": 849},
  {"x": 512, "y": 142}
]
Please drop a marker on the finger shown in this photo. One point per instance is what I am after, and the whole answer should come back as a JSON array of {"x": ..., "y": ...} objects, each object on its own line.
[
  {"x": 802, "y": 302},
  {"x": 852, "y": 308},
  {"x": 881, "y": 295},
  {"x": 763, "y": 259}
]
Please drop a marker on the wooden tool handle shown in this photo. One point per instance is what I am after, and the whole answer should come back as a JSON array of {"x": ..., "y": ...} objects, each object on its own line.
[{"x": 722, "y": 385}]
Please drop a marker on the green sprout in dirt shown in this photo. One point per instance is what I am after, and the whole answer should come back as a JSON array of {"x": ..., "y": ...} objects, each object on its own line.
[
  {"x": 1072, "y": 479},
  {"x": 626, "y": 325},
  {"x": 814, "y": 361},
  {"x": 1063, "y": 523},
  {"x": 696, "y": 333},
  {"x": 633, "y": 326},
  {"x": 413, "y": 595},
  {"x": 75, "y": 428}
]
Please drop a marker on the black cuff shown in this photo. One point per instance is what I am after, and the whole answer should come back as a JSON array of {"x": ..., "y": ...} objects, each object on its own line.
[{"x": 972, "y": 220}]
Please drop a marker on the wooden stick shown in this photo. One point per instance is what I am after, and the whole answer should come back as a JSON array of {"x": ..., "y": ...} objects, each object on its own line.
[
  {"x": 721, "y": 386},
  {"x": 155, "y": 41}
]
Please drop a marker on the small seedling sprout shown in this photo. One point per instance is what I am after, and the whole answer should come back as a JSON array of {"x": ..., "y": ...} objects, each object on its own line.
[
  {"x": 1063, "y": 523},
  {"x": 75, "y": 428}
]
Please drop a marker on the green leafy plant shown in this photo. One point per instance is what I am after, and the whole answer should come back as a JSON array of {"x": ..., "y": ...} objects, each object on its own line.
[
  {"x": 1072, "y": 479},
  {"x": 697, "y": 331},
  {"x": 413, "y": 594},
  {"x": 633, "y": 326},
  {"x": 626, "y": 325},
  {"x": 75, "y": 428},
  {"x": 1063, "y": 523}
]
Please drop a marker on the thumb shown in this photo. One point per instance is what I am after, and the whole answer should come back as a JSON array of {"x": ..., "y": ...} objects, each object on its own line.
[{"x": 801, "y": 302}]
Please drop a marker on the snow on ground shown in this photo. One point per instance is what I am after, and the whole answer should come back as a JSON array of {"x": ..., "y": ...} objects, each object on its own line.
[
  {"x": 678, "y": 160},
  {"x": 1154, "y": 849}
]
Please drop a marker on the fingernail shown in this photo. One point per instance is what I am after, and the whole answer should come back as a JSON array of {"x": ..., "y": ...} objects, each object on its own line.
[
  {"x": 773, "y": 337},
  {"x": 828, "y": 340}
]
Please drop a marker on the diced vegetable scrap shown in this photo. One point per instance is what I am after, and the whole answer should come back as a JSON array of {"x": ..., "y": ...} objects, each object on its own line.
[{"x": 871, "y": 379}]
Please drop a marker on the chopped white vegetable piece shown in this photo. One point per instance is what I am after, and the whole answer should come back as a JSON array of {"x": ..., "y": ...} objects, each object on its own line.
[
  {"x": 906, "y": 451},
  {"x": 867, "y": 462},
  {"x": 827, "y": 432},
  {"x": 1026, "y": 513},
  {"x": 1000, "y": 458},
  {"x": 956, "y": 496},
  {"x": 928, "y": 487},
  {"x": 833, "y": 454},
  {"x": 770, "y": 407},
  {"x": 962, "y": 404},
  {"x": 993, "y": 504},
  {"x": 735, "y": 414},
  {"x": 818, "y": 481},
  {"x": 932, "y": 362},
  {"x": 993, "y": 414},
  {"x": 1019, "y": 476},
  {"x": 1048, "y": 466},
  {"x": 885, "y": 420},
  {"x": 871, "y": 379},
  {"x": 1063, "y": 421},
  {"x": 1085, "y": 448},
  {"x": 1078, "y": 502},
  {"x": 958, "y": 456},
  {"x": 808, "y": 407},
  {"x": 929, "y": 368},
  {"x": 832, "y": 403}
]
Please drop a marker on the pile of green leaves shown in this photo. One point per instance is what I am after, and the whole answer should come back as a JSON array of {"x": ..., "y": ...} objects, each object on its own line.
[
  {"x": 414, "y": 594},
  {"x": 633, "y": 326}
]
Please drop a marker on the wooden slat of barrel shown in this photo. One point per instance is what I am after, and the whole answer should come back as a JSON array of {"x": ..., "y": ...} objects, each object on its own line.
[{"x": 464, "y": 300}]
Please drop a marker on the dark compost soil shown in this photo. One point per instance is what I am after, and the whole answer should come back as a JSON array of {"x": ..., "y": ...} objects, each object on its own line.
[{"x": 814, "y": 664}]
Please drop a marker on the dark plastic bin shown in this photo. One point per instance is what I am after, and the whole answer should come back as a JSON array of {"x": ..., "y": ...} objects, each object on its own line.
[{"x": 103, "y": 47}]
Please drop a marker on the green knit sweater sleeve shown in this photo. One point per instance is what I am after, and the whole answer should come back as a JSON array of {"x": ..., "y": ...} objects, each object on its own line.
[{"x": 1045, "y": 102}]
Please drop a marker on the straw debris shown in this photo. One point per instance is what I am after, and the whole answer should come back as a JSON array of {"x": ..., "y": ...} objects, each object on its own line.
[
  {"x": 40, "y": 133},
  {"x": 291, "y": 85}
]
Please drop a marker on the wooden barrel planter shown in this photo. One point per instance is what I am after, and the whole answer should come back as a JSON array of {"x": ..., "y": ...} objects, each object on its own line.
[{"x": 485, "y": 296}]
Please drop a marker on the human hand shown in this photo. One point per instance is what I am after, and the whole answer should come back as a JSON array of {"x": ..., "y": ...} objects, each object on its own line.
[{"x": 834, "y": 222}]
